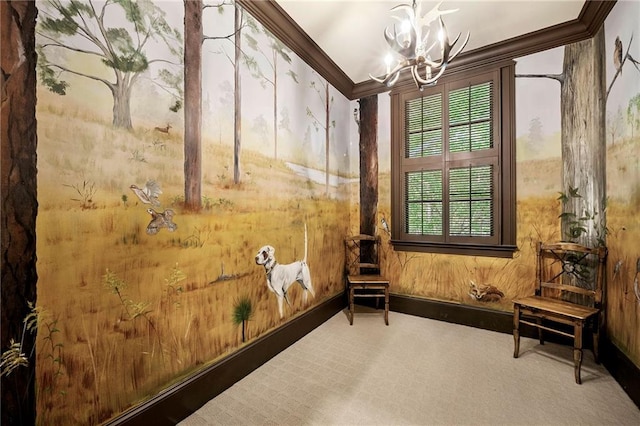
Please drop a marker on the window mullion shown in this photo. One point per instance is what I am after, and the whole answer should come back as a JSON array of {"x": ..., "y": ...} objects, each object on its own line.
[{"x": 445, "y": 163}]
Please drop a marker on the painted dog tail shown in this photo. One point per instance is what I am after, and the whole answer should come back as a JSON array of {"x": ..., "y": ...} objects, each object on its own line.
[{"x": 305, "y": 243}]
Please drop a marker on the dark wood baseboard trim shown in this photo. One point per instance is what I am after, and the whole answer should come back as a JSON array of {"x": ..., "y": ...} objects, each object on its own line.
[
  {"x": 623, "y": 370},
  {"x": 179, "y": 401},
  {"x": 472, "y": 316}
]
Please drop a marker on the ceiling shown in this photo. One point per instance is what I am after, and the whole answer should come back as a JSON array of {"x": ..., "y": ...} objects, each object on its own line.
[{"x": 343, "y": 39}]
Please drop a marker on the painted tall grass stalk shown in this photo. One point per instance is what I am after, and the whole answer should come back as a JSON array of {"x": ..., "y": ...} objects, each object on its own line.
[{"x": 15, "y": 357}]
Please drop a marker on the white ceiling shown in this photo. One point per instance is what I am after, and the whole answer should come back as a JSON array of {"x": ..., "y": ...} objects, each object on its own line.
[{"x": 350, "y": 32}]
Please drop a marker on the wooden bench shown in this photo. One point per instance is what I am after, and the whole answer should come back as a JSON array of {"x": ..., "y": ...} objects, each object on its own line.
[{"x": 569, "y": 285}]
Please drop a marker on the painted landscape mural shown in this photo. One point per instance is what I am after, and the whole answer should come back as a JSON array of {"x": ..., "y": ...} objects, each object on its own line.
[
  {"x": 177, "y": 200},
  {"x": 142, "y": 281}
]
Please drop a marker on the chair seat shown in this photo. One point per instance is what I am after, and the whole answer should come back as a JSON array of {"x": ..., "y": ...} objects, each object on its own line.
[
  {"x": 558, "y": 307},
  {"x": 368, "y": 280}
]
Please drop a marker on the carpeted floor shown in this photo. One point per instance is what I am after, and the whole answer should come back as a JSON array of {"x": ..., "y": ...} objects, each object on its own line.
[{"x": 418, "y": 371}]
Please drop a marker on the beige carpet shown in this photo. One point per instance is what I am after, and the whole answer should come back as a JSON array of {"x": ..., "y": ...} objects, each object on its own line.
[{"x": 418, "y": 371}]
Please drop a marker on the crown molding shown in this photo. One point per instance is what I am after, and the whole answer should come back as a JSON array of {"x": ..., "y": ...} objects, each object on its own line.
[{"x": 280, "y": 24}]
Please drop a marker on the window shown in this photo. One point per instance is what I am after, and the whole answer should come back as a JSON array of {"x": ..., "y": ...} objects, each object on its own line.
[{"x": 453, "y": 165}]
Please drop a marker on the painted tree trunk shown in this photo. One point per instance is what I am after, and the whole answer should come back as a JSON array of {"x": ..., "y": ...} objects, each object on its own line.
[
  {"x": 584, "y": 141},
  {"x": 275, "y": 104},
  {"x": 327, "y": 134},
  {"x": 368, "y": 164},
  {"x": 19, "y": 202},
  {"x": 193, "y": 37},
  {"x": 237, "y": 110},
  {"x": 121, "y": 92}
]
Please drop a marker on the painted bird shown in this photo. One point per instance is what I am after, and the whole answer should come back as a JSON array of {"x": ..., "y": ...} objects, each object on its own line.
[
  {"x": 149, "y": 194},
  {"x": 617, "y": 55},
  {"x": 161, "y": 220},
  {"x": 385, "y": 226},
  {"x": 616, "y": 268}
]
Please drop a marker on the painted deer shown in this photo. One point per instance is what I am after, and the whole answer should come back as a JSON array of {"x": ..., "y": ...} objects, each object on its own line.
[{"x": 163, "y": 129}]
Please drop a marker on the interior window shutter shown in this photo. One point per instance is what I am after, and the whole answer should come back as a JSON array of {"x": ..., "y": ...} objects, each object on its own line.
[
  {"x": 471, "y": 198},
  {"x": 470, "y": 118},
  {"x": 423, "y": 124},
  {"x": 423, "y": 213}
]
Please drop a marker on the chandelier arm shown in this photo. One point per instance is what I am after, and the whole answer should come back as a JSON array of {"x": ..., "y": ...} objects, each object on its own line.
[
  {"x": 414, "y": 74},
  {"x": 428, "y": 81},
  {"x": 376, "y": 79},
  {"x": 393, "y": 79},
  {"x": 461, "y": 47},
  {"x": 391, "y": 75},
  {"x": 408, "y": 50},
  {"x": 447, "y": 56}
]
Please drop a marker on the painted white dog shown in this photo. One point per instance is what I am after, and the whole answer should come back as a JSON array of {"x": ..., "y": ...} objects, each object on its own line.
[{"x": 281, "y": 277}]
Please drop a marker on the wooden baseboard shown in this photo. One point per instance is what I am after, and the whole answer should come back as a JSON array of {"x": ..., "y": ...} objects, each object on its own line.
[
  {"x": 623, "y": 370},
  {"x": 626, "y": 373},
  {"x": 183, "y": 399}
]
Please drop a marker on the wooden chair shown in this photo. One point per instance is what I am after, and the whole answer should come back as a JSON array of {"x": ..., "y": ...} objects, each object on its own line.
[
  {"x": 569, "y": 285},
  {"x": 363, "y": 272}
]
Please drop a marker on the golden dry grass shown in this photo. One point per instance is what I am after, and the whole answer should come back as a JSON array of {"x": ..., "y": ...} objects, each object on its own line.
[
  {"x": 114, "y": 350},
  {"x": 622, "y": 304}
]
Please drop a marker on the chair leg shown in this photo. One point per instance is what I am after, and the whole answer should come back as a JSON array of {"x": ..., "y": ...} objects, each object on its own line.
[
  {"x": 516, "y": 330},
  {"x": 386, "y": 305},
  {"x": 351, "y": 297},
  {"x": 577, "y": 351},
  {"x": 540, "y": 336},
  {"x": 596, "y": 340}
]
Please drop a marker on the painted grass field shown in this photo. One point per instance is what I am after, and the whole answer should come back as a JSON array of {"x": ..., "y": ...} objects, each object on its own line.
[{"x": 125, "y": 314}]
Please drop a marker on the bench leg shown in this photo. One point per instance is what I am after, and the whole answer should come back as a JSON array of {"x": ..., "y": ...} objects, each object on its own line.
[
  {"x": 577, "y": 351},
  {"x": 516, "y": 330},
  {"x": 386, "y": 306}
]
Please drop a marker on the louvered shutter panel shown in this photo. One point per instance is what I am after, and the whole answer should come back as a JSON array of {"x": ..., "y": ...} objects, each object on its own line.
[
  {"x": 471, "y": 201},
  {"x": 470, "y": 118},
  {"x": 423, "y": 214},
  {"x": 423, "y": 124}
]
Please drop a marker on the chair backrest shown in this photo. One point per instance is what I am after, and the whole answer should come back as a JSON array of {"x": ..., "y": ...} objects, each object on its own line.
[
  {"x": 571, "y": 272},
  {"x": 362, "y": 254}
]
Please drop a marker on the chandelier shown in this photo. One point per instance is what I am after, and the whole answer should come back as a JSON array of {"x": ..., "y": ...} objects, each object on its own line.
[{"x": 412, "y": 46}]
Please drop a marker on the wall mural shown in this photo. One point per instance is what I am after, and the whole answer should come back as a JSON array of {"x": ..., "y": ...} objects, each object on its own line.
[
  {"x": 140, "y": 286},
  {"x": 623, "y": 178},
  {"x": 541, "y": 199}
]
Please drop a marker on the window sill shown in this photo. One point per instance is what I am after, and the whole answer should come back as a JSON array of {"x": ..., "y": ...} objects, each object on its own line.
[{"x": 504, "y": 251}]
